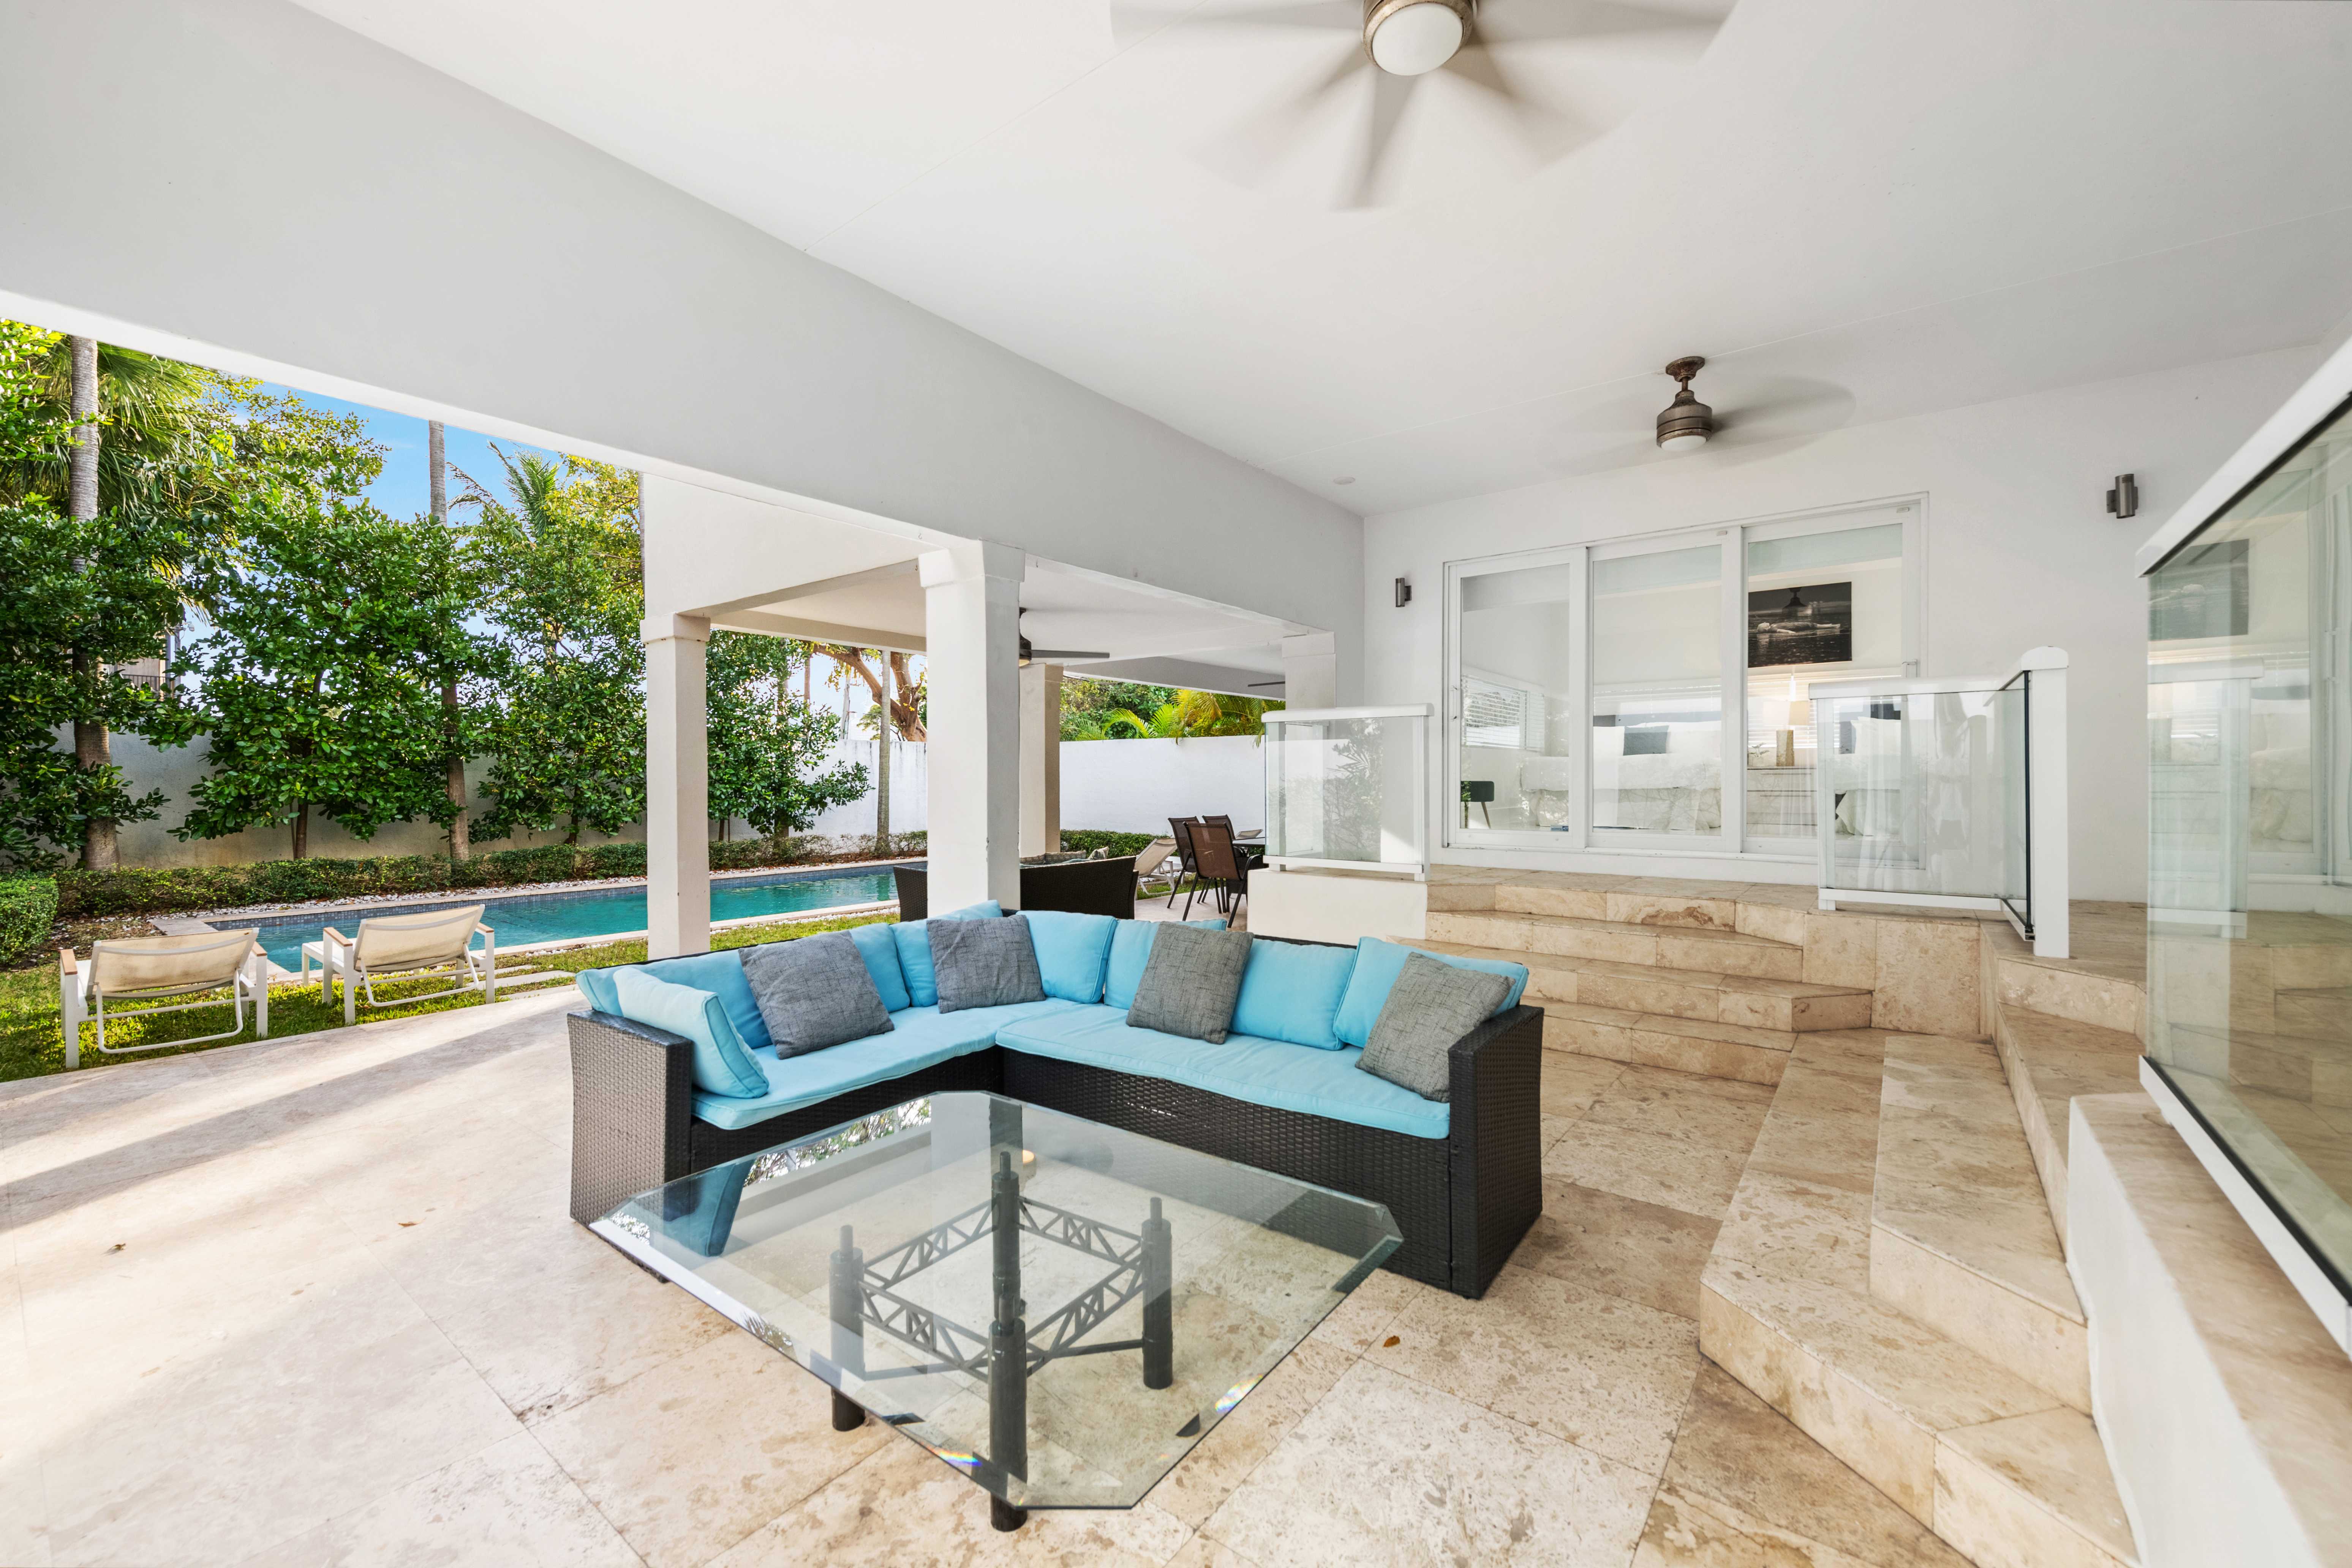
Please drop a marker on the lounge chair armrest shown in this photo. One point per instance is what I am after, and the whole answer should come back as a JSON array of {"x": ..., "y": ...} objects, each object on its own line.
[
  {"x": 632, "y": 1099},
  {"x": 331, "y": 934},
  {"x": 1495, "y": 1130},
  {"x": 66, "y": 961},
  {"x": 483, "y": 930}
]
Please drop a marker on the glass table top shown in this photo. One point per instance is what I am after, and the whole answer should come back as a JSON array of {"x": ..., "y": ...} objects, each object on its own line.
[{"x": 1058, "y": 1309}]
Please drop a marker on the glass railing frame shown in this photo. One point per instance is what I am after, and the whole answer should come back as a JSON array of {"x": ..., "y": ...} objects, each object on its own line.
[
  {"x": 2039, "y": 674},
  {"x": 1419, "y": 815}
]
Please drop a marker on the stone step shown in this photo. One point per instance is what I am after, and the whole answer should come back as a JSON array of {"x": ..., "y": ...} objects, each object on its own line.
[
  {"x": 1995, "y": 1464},
  {"x": 1789, "y": 1006},
  {"x": 1707, "y": 906},
  {"x": 1658, "y": 1041},
  {"x": 1701, "y": 949},
  {"x": 2049, "y": 1060},
  {"x": 2324, "y": 1014},
  {"x": 1961, "y": 1236}
]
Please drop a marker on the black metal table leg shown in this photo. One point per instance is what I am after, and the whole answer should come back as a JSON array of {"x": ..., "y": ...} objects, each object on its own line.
[
  {"x": 1008, "y": 1348},
  {"x": 846, "y": 1308},
  {"x": 848, "y": 1415},
  {"x": 1158, "y": 1308}
]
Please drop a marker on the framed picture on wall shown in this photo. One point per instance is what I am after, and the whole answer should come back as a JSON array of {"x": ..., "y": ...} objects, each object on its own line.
[{"x": 1812, "y": 624}]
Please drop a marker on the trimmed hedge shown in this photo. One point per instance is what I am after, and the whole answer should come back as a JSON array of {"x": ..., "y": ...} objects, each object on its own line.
[
  {"x": 81, "y": 895},
  {"x": 28, "y": 907},
  {"x": 1089, "y": 839}
]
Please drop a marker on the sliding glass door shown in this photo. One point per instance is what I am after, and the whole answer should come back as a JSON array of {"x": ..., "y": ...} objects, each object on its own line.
[{"x": 1651, "y": 694}]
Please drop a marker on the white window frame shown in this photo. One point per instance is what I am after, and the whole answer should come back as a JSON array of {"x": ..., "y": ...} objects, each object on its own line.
[{"x": 1733, "y": 537}]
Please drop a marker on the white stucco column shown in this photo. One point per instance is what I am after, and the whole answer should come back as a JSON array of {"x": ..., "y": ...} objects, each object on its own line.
[
  {"x": 1310, "y": 671},
  {"x": 1041, "y": 759},
  {"x": 971, "y": 632},
  {"x": 678, "y": 787}
]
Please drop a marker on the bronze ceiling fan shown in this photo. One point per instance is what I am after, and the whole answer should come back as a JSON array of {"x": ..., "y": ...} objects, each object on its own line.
[{"x": 1402, "y": 42}]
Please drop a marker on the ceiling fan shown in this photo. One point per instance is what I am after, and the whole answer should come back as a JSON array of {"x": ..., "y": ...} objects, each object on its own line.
[
  {"x": 1401, "y": 43},
  {"x": 1058, "y": 655}
]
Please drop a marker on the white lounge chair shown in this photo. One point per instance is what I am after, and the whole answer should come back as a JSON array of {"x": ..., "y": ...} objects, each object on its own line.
[
  {"x": 404, "y": 947},
  {"x": 147, "y": 969}
]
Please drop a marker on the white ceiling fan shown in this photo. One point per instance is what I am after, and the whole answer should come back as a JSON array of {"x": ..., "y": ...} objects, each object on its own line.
[{"x": 1399, "y": 44}]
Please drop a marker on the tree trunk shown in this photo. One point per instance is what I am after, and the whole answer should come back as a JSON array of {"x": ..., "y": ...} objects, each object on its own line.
[
  {"x": 92, "y": 747},
  {"x": 302, "y": 828},
  {"x": 461, "y": 843},
  {"x": 882, "y": 776}
]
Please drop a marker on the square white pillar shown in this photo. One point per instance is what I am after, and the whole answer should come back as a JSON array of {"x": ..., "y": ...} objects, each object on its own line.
[
  {"x": 1310, "y": 671},
  {"x": 678, "y": 787},
  {"x": 972, "y": 634},
  {"x": 1041, "y": 759}
]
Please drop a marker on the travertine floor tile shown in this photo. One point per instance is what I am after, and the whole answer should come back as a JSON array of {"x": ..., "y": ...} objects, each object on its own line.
[
  {"x": 1356, "y": 1323},
  {"x": 1219, "y": 1462},
  {"x": 509, "y": 1506},
  {"x": 1645, "y": 1252},
  {"x": 1605, "y": 1374},
  {"x": 1693, "y": 1177},
  {"x": 1570, "y": 1083},
  {"x": 901, "y": 1505},
  {"x": 1387, "y": 1470},
  {"x": 1802, "y": 1229},
  {"x": 693, "y": 1456},
  {"x": 1716, "y": 1111},
  {"x": 1744, "y": 1486}
]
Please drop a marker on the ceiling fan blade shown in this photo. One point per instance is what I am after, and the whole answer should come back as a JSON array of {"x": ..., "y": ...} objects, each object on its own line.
[
  {"x": 1526, "y": 21},
  {"x": 1244, "y": 152},
  {"x": 1132, "y": 21},
  {"x": 1069, "y": 653},
  {"x": 1390, "y": 94},
  {"x": 1546, "y": 130}
]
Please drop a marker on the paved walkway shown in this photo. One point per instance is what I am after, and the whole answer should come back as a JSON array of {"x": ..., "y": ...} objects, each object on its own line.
[{"x": 316, "y": 1302}]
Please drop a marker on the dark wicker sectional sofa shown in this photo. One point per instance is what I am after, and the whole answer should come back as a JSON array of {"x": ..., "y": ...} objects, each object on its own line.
[{"x": 1462, "y": 1200}]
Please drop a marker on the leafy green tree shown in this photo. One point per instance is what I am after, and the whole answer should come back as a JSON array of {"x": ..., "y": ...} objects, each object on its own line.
[
  {"x": 319, "y": 682},
  {"x": 1180, "y": 715},
  {"x": 107, "y": 511},
  {"x": 563, "y": 711},
  {"x": 763, "y": 745}
]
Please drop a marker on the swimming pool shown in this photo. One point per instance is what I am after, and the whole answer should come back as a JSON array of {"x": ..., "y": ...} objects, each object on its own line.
[{"x": 530, "y": 918}]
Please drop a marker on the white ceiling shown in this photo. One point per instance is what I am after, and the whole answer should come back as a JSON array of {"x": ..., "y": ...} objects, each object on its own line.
[{"x": 1858, "y": 209}]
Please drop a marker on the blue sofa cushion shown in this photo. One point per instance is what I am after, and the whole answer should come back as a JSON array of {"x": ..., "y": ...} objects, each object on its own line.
[
  {"x": 1131, "y": 949},
  {"x": 1291, "y": 992},
  {"x": 1243, "y": 1067},
  {"x": 1378, "y": 965},
  {"x": 723, "y": 1065},
  {"x": 879, "y": 949},
  {"x": 1073, "y": 951},
  {"x": 720, "y": 973},
  {"x": 913, "y": 939},
  {"x": 918, "y": 1037}
]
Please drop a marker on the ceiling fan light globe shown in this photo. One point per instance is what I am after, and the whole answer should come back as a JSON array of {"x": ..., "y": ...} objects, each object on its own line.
[
  {"x": 1415, "y": 39},
  {"x": 1684, "y": 441}
]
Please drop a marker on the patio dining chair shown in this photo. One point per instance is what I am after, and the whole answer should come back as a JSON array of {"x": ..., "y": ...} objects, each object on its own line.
[
  {"x": 406, "y": 947},
  {"x": 1180, "y": 829},
  {"x": 120, "y": 975},
  {"x": 1250, "y": 858},
  {"x": 1218, "y": 868}
]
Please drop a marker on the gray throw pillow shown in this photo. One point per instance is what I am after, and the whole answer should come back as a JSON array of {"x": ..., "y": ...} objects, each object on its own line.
[
  {"x": 984, "y": 963},
  {"x": 1431, "y": 1007},
  {"x": 1190, "y": 982},
  {"x": 814, "y": 992}
]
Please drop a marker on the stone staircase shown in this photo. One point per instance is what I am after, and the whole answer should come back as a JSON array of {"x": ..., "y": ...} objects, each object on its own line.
[{"x": 1891, "y": 1274}]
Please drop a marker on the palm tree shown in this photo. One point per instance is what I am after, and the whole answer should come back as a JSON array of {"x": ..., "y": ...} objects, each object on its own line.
[{"x": 460, "y": 842}]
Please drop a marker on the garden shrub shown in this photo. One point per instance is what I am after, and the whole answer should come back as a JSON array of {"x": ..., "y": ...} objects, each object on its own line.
[
  {"x": 28, "y": 907},
  {"x": 1089, "y": 839}
]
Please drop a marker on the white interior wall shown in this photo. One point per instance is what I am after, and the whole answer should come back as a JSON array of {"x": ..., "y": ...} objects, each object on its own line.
[
  {"x": 246, "y": 184},
  {"x": 2019, "y": 551}
]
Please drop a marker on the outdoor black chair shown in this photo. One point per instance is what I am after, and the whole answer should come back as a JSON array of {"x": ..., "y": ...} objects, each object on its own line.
[
  {"x": 1219, "y": 867},
  {"x": 1181, "y": 829}
]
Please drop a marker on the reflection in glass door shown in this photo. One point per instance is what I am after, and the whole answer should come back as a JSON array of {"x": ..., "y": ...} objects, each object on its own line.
[
  {"x": 1657, "y": 692},
  {"x": 1518, "y": 705}
]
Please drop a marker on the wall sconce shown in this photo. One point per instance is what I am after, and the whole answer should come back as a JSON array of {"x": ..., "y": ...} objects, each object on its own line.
[
  {"x": 2124, "y": 499},
  {"x": 1403, "y": 593}
]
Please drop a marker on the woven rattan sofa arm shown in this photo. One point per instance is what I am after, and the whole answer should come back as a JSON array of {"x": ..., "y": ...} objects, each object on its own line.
[
  {"x": 1496, "y": 1141},
  {"x": 632, "y": 1098}
]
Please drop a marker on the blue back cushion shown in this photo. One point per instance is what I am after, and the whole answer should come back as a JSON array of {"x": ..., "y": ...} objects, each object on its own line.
[
  {"x": 723, "y": 1064},
  {"x": 1073, "y": 951},
  {"x": 914, "y": 944},
  {"x": 1131, "y": 949},
  {"x": 720, "y": 973},
  {"x": 879, "y": 949},
  {"x": 1291, "y": 992},
  {"x": 1378, "y": 965}
]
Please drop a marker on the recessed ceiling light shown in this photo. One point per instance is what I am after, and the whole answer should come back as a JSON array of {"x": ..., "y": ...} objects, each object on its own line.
[{"x": 1344, "y": 479}]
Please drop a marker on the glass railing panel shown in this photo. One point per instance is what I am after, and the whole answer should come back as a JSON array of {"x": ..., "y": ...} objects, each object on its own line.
[
  {"x": 1347, "y": 788},
  {"x": 1914, "y": 790},
  {"x": 2250, "y": 890}
]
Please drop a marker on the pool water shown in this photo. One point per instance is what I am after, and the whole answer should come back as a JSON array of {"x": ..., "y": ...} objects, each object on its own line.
[{"x": 557, "y": 917}]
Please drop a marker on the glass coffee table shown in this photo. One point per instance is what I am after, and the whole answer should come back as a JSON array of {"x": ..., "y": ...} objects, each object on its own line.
[{"x": 1057, "y": 1309}]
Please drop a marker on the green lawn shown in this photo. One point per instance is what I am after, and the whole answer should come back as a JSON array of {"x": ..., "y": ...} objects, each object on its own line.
[{"x": 32, "y": 1045}]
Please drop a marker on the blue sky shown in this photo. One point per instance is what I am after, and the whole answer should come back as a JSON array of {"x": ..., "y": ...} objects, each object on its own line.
[{"x": 403, "y": 489}]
